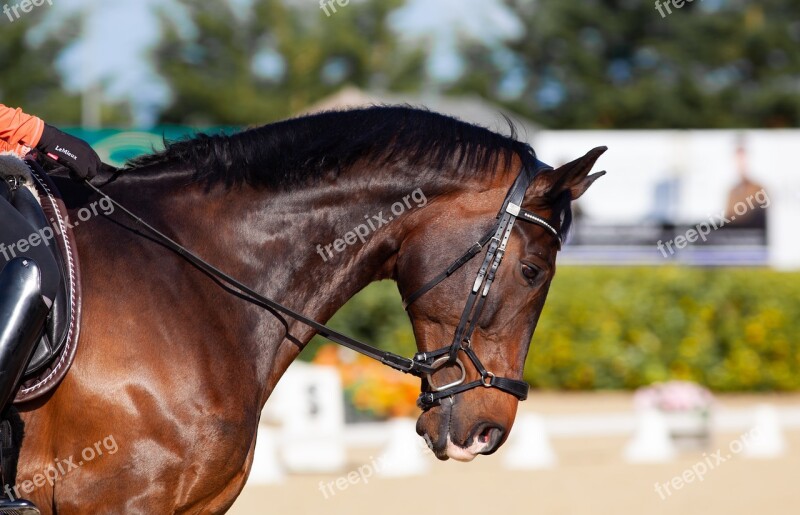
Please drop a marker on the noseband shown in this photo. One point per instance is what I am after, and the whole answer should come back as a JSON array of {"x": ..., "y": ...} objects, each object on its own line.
[
  {"x": 497, "y": 241},
  {"x": 424, "y": 364}
]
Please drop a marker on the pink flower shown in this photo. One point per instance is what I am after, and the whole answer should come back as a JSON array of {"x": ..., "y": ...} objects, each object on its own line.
[{"x": 673, "y": 396}]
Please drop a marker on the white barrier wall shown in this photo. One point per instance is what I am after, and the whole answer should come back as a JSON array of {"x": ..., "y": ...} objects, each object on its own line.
[{"x": 703, "y": 165}]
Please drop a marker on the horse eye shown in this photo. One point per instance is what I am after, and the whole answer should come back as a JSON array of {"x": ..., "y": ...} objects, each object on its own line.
[{"x": 531, "y": 273}]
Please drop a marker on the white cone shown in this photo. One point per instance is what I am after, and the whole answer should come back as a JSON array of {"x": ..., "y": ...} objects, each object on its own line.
[
  {"x": 267, "y": 469},
  {"x": 651, "y": 442},
  {"x": 529, "y": 447},
  {"x": 404, "y": 456},
  {"x": 765, "y": 439}
]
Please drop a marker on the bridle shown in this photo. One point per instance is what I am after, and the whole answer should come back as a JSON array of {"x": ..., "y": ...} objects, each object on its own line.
[
  {"x": 423, "y": 364},
  {"x": 497, "y": 241}
]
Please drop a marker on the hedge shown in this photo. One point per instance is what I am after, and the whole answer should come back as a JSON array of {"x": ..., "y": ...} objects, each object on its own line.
[{"x": 621, "y": 328}]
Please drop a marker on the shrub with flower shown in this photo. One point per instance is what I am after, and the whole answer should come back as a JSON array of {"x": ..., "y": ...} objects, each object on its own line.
[
  {"x": 674, "y": 396},
  {"x": 687, "y": 407}
]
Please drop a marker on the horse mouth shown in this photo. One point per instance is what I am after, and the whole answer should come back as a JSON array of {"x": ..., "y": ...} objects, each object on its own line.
[{"x": 485, "y": 438}]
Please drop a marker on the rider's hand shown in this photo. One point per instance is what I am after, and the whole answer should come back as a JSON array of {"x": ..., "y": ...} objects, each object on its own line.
[{"x": 69, "y": 151}]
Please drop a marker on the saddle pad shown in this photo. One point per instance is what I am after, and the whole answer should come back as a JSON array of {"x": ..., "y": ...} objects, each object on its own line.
[{"x": 42, "y": 379}]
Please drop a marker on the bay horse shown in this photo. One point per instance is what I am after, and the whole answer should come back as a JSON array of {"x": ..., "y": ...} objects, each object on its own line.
[{"x": 175, "y": 371}]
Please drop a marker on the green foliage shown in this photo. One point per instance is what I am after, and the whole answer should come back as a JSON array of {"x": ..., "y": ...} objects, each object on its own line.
[
  {"x": 622, "y": 65},
  {"x": 620, "y": 328},
  {"x": 627, "y": 327},
  {"x": 28, "y": 78},
  {"x": 581, "y": 64},
  {"x": 376, "y": 316},
  {"x": 213, "y": 79}
]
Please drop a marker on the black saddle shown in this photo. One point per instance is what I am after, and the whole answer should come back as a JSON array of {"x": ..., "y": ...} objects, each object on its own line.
[{"x": 56, "y": 330}]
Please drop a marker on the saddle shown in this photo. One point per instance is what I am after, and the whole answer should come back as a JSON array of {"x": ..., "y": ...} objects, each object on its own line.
[{"x": 47, "y": 214}]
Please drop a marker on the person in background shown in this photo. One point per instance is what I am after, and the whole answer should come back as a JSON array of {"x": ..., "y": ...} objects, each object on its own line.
[{"x": 745, "y": 208}]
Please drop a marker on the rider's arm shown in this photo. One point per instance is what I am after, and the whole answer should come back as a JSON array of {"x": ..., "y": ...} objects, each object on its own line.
[{"x": 19, "y": 133}]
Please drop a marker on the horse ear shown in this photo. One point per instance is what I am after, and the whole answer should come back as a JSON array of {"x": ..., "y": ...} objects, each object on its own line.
[{"x": 573, "y": 177}]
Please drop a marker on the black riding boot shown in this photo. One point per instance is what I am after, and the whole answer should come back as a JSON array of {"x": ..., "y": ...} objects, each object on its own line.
[{"x": 23, "y": 313}]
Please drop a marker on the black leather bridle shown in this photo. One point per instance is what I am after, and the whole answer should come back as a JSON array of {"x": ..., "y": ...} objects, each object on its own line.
[
  {"x": 423, "y": 364},
  {"x": 497, "y": 241}
]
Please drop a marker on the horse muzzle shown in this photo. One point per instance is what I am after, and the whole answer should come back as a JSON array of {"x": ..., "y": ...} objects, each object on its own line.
[{"x": 439, "y": 431}]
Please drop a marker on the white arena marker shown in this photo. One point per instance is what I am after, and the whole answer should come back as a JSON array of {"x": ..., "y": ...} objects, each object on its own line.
[
  {"x": 765, "y": 439},
  {"x": 651, "y": 441},
  {"x": 529, "y": 445},
  {"x": 267, "y": 469},
  {"x": 406, "y": 453},
  {"x": 309, "y": 406}
]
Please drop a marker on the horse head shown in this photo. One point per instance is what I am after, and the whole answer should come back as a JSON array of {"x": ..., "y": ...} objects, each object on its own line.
[{"x": 484, "y": 344}]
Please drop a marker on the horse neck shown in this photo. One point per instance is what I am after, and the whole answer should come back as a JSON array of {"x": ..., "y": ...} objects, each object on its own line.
[{"x": 296, "y": 247}]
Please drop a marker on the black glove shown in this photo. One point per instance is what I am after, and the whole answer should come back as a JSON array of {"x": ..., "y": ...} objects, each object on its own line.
[{"x": 69, "y": 151}]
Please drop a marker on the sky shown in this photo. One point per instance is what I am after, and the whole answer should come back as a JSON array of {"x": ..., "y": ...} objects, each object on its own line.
[
  {"x": 445, "y": 25},
  {"x": 113, "y": 51},
  {"x": 118, "y": 37}
]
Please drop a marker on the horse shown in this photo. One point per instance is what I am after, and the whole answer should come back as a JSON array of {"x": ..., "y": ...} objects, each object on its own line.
[{"x": 172, "y": 372}]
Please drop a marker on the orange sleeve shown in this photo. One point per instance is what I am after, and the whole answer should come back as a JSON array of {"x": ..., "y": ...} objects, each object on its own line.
[{"x": 19, "y": 132}]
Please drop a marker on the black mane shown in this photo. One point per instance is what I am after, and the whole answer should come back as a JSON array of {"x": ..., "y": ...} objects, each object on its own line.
[{"x": 300, "y": 150}]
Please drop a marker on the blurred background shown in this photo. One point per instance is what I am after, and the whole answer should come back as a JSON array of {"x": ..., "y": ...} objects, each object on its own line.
[{"x": 672, "y": 330}]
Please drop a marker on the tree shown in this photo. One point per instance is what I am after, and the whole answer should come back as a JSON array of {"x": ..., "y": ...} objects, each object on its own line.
[
  {"x": 274, "y": 61},
  {"x": 579, "y": 64},
  {"x": 619, "y": 64},
  {"x": 28, "y": 78}
]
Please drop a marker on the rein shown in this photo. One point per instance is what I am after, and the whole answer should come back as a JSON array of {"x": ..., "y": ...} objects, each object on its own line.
[{"x": 423, "y": 364}]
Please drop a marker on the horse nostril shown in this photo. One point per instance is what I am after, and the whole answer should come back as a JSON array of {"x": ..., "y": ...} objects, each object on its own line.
[{"x": 490, "y": 437}]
